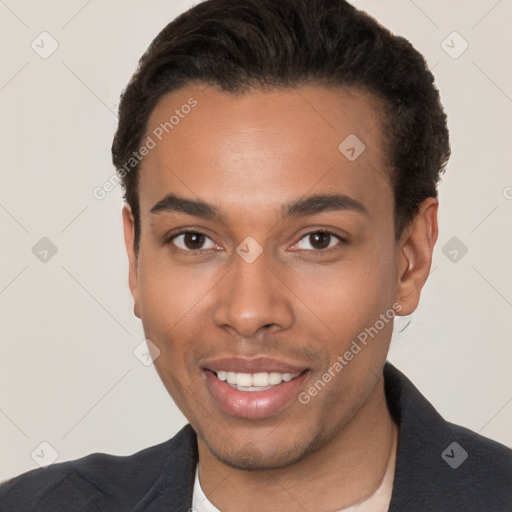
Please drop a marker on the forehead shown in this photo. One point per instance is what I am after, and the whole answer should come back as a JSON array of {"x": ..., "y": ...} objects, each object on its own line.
[{"x": 260, "y": 149}]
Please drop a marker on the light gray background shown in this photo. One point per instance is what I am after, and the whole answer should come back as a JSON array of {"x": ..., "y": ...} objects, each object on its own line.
[{"x": 68, "y": 375}]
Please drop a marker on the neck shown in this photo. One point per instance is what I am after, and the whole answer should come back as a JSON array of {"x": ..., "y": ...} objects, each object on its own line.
[{"x": 343, "y": 472}]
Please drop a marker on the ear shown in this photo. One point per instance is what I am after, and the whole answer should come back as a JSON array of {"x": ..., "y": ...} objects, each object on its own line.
[
  {"x": 129, "y": 241},
  {"x": 414, "y": 255}
]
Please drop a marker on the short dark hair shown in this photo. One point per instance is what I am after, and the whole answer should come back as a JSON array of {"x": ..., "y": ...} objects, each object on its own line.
[{"x": 236, "y": 45}]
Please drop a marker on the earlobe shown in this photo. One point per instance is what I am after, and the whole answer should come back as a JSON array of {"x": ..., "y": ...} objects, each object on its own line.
[
  {"x": 129, "y": 240},
  {"x": 414, "y": 255}
]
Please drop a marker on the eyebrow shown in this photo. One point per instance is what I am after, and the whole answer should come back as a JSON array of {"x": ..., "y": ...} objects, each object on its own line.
[
  {"x": 312, "y": 205},
  {"x": 316, "y": 204},
  {"x": 197, "y": 208}
]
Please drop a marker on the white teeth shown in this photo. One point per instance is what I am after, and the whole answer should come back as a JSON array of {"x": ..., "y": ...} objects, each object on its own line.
[
  {"x": 253, "y": 388},
  {"x": 260, "y": 379},
  {"x": 275, "y": 378},
  {"x": 244, "y": 379},
  {"x": 254, "y": 381}
]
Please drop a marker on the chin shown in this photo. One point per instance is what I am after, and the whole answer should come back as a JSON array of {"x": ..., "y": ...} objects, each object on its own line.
[{"x": 254, "y": 457}]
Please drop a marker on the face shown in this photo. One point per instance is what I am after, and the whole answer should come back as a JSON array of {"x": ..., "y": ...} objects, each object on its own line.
[{"x": 266, "y": 252}]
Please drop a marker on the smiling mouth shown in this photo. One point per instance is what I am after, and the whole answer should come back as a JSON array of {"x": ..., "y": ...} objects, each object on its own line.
[
  {"x": 253, "y": 393},
  {"x": 260, "y": 381}
]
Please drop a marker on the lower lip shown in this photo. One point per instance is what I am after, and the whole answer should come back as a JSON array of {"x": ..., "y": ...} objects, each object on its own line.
[{"x": 253, "y": 404}]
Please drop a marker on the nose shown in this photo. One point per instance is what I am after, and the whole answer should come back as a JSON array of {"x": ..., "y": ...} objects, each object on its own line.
[{"x": 253, "y": 299}]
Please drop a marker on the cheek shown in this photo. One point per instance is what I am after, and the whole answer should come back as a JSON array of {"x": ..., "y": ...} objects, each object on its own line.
[
  {"x": 350, "y": 296},
  {"x": 173, "y": 300},
  {"x": 170, "y": 292},
  {"x": 173, "y": 315}
]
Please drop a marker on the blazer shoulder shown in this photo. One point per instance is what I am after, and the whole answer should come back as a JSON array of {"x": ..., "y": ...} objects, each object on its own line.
[
  {"x": 95, "y": 479},
  {"x": 441, "y": 465},
  {"x": 489, "y": 456}
]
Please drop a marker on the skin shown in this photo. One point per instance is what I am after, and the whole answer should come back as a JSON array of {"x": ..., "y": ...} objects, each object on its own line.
[{"x": 249, "y": 156}]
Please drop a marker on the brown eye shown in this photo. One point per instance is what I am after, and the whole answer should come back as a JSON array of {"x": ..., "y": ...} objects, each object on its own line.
[
  {"x": 318, "y": 241},
  {"x": 193, "y": 241}
]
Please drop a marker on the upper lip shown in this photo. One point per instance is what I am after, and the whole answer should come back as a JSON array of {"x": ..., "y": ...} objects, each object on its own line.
[{"x": 251, "y": 365}]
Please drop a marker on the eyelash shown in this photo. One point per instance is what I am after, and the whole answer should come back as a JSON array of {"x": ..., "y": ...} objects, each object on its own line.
[
  {"x": 341, "y": 240},
  {"x": 192, "y": 252}
]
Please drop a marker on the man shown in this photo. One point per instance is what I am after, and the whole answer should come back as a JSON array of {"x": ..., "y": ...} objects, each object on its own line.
[{"x": 280, "y": 161}]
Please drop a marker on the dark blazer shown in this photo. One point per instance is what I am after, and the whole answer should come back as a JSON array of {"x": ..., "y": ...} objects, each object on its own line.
[{"x": 440, "y": 467}]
